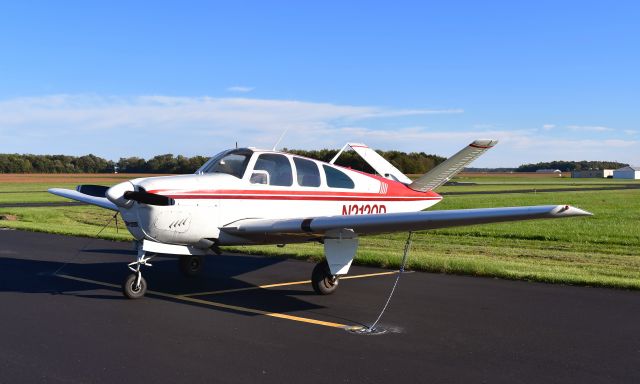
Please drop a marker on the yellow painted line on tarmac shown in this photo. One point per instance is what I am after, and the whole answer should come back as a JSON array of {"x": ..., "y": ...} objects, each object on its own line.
[
  {"x": 88, "y": 281},
  {"x": 246, "y": 288},
  {"x": 220, "y": 305},
  {"x": 283, "y": 284}
]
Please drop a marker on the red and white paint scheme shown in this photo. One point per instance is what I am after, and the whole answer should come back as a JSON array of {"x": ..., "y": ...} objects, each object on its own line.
[{"x": 249, "y": 196}]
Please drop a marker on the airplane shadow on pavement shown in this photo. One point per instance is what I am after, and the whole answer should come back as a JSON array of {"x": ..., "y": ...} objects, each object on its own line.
[{"x": 222, "y": 272}]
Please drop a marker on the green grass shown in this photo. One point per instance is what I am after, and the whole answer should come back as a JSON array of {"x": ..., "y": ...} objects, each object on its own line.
[
  {"x": 603, "y": 250},
  {"x": 78, "y": 221}
]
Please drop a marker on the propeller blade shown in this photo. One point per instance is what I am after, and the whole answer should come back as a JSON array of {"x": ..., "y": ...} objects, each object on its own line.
[
  {"x": 92, "y": 190},
  {"x": 148, "y": 198}
]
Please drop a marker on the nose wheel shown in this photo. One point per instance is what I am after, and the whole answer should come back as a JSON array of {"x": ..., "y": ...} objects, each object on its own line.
[
  {"x": 135, "y": 286},
  {"x": 322, "y": 281}
]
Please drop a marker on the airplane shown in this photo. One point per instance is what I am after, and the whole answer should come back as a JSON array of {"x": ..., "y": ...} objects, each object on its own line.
[{"x": 249, "y": 196}]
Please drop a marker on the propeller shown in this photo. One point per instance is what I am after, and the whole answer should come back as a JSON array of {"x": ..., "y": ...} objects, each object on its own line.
[
  {"x": 92, "y": 190},
  {"x": 148, "y": 198}
]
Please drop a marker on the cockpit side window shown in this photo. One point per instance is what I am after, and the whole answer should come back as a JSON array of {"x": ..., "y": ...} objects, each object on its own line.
[
  {"x": 232, "y": 162},
  {"x": 275, "y": 168},
  {"x": 307, "y": 172},
  {"x": 337, "y": 179}
]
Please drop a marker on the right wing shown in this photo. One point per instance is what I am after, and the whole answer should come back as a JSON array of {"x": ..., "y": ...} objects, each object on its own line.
[
  {"x": 444, "y": 171},
  {"x": 84, "y": 198},
  {"x": 283, "y": 230}
]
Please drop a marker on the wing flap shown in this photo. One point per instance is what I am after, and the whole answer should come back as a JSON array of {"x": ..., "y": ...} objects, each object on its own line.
[
  {"x": 84, "y": 198},
  {"x": 397, "y": 222}
]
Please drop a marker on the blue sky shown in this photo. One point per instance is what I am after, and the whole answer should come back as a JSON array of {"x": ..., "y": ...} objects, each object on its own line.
[{"x": 552, "y": 80}]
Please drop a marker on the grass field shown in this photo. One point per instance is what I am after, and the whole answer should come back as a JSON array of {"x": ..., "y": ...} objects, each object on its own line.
[{"x": 603, "y": 250}]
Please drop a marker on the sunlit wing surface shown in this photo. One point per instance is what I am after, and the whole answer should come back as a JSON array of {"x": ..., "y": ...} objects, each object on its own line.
[
  {"x": 264, "y": 229},
  {"x": 84, "y": 198},
  {"x": 450, "y": 167}
]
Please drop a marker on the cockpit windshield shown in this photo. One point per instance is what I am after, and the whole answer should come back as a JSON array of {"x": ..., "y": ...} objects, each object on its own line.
[{"x": 232, "y": 162}]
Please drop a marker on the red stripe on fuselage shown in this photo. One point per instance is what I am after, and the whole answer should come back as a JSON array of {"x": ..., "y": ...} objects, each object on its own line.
[
  {"x": 395, "y": 192},
  {"x": 289, "y": 197}
]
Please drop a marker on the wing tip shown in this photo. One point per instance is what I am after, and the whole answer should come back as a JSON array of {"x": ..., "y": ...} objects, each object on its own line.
[
  {"x": 57, "y": 191},
  {"x": 484, "y": 143},
  {"x": 568, "y": 210}
]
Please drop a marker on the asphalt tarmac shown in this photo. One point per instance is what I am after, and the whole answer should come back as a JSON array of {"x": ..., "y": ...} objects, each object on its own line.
[{"x": 76, "y": 327}]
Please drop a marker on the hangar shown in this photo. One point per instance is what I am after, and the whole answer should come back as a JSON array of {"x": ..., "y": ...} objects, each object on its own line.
[
  {"x": 627, "y": 173},
  {"x": 592, "y": 173}
]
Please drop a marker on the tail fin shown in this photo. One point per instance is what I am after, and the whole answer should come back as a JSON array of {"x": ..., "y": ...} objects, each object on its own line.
[{"x": 450, "y": 167}]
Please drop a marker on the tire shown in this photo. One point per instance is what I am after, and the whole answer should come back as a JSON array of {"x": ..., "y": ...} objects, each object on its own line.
[
  {"x": 191, "y": 265},
  {"x": 129, "y": 290},
  {"x": 322, "y": 281}
]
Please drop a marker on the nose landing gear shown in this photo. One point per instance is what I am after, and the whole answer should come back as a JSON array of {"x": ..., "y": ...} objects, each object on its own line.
[{"x": 135, "y": 286}]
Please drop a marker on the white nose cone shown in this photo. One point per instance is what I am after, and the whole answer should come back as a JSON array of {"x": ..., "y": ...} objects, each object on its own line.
[{"x": 115, "y": 194}]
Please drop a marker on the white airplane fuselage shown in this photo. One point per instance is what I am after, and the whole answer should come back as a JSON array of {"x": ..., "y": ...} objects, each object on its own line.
[{"x": 206, "y": 202}]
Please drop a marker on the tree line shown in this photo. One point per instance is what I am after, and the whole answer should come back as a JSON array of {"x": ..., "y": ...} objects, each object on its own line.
[
  {"x": 409, "y": 163},
  {"x": 568, "y": 166}
]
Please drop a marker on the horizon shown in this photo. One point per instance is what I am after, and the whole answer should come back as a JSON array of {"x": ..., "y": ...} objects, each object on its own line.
[
  {"x": 550, "y": 81},
  {"x": 291, "y": 150}
]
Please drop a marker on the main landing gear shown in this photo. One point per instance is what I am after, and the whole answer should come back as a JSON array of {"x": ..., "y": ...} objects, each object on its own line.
[
  {"x": 135, "y": 286},
  {"x": 191, "y": 265},
  {"x": 322, "y": 281}
]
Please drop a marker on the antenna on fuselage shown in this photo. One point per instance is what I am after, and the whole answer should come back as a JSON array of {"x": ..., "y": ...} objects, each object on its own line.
[{"x": 280, "y": 139}]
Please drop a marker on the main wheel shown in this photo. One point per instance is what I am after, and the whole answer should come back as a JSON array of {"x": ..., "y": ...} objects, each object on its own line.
[
  {"x": 130, "y": 290},
  {"x": 191, "y": 265},
  {"x": 322, "y": 281}
]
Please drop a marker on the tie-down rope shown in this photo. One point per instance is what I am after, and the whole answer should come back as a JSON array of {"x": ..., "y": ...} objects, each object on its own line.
[{"x": 405, "y": 256}]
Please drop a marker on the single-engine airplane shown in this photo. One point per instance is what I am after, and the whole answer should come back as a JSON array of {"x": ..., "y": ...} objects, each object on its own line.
[{"x": 247, "y": 196}]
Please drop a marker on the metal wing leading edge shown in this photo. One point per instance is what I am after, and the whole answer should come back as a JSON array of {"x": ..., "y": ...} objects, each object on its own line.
[{"x": 283, "y": 230}]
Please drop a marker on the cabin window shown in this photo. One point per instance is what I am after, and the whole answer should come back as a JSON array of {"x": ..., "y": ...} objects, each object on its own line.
[
  {"x": 307, "y": 172},
  {"x": 232, "y": 163},
  {"x": 272, "y": 169},
  {"x": 337, "y": 179}
]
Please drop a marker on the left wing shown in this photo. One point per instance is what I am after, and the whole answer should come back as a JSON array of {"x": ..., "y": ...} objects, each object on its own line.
[
  {"x": 281, "y": 230},
  {"x": 79, "y": 195}
]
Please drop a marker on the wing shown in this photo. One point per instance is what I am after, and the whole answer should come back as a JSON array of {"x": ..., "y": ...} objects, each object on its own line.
[
  {"x": 444, "y": 171},
  {"x": 304, "y": 229},
  {"x": 85, "y": 198}
]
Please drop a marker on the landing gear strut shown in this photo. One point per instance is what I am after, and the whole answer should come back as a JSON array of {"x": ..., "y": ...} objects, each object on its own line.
[
  {"x": 322, "y": 281},
  {"x": 191, "y": 265},
  {"x": 135, "y": 286}
]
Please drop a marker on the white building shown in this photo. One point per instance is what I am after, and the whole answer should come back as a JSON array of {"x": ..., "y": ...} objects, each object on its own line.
[{"x": 627, "y": 173}]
